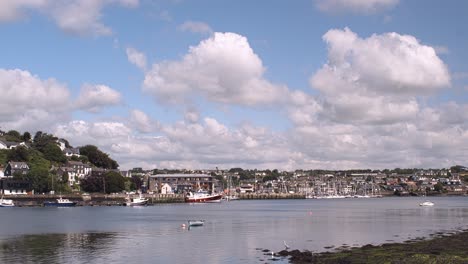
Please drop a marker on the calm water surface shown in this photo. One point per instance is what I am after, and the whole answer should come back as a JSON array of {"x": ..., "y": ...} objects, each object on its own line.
[{"x": 233, "y": 232}]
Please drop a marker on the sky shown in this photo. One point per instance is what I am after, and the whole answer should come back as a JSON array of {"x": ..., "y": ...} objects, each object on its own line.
[{"x": 304, "y": 84}]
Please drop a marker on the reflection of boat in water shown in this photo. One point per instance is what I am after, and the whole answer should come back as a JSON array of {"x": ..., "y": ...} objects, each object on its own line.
[
  {"x": 6, "y": 202},
  {"x": 196, "y": 222},
  {"x": 60, "y": 202},
  {"x": 427, "y": 203},
  {"x": 136, "y": 201},
  {"x": 203, "y": 197}
]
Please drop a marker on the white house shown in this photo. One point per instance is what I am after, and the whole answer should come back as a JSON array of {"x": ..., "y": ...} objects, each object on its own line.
[
  {"x": 166, "y": 189},
  {"x": 61, "y": 143},
  {"x": 9, "y": 144},
  {"x": 69, "y": 152},
  {"x": 81, "y": 169}
]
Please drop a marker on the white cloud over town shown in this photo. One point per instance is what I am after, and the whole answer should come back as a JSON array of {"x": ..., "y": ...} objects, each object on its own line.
[{"x": 367, "y": 108}]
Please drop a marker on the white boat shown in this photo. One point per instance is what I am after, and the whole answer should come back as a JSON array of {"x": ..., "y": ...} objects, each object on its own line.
[
  {"x": 203, "y": 197},
  {"x": 196, "y": 222},
  {"x": 6, "y": 202},
  {"x": 230, "y": 197},
  {"x": 136, "y": 201},
  {"x": 427, "y": 203},
  {"x": 60, "y": 202}
]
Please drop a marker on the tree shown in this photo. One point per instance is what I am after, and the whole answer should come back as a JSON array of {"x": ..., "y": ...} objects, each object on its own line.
[
  {"x": 26, "y": 136},
  {"x": 114, "y": 182},
  {"x": 19, "y": 153},
  {"x": 438, "y": 187},
  {"x": 137, "y": 182},
  {"x": 39, "y": 179},
  {"x": 52, "y": 152},
  {"x": 13, "y": 135},
  {"x": 41, "y": 140},
  {"x": 98, "y": 158},
  {"x": 92, "y": 183}
]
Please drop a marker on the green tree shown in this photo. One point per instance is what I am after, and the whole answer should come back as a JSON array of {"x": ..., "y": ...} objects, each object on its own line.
[
  {"x": 13, "y": 135},
  {"x": 98, "y": 158},
  {"x": 26, "y": 136},
  {"x": 19, "y": 153},
  {"x": 41, "y": 140},
  {"x": 4, "y": 156},
  {"x": 52, "y": 152},
  {"x": 114, "y": 182},
  {"x": 438, "y": 187},
  {"x": 39, "y": 179}
]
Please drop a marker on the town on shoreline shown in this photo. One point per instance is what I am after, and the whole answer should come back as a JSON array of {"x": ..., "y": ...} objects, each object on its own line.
[{"x": 41, "y": 166}]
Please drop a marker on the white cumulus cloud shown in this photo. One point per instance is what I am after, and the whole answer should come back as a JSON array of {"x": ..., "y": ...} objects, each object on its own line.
[
  {"x": 93, "y": 98},
  {"x": 137, "y": 58},
  {"x": 377, "y": 79},
  {"x": 81, "y": 17},
  {"x": 29, "y": 102},
  {"x": 222, "y": 68}
]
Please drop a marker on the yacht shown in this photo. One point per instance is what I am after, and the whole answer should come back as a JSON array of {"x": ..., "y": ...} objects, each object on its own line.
[{"x": 427, "y": 203}]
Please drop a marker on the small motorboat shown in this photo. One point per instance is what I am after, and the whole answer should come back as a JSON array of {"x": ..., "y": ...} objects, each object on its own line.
[
  {"x": 136, "y": 201},
  {"x": 427, "y": 203},
  {"x": 6, "y": 203},
  {"x": 196, "y": 222},
  {"x": 61, "y": 202}
]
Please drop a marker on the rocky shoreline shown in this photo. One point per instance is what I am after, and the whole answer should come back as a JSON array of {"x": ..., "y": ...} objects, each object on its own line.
[{"x": 440, "y": 248}]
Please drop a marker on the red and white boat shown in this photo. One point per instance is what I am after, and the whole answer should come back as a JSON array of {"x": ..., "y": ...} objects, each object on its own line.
[{"x": 203, "y": 197}]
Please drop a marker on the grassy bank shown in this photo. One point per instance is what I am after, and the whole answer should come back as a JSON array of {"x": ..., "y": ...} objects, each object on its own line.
[{"x": 451, "y": 248}]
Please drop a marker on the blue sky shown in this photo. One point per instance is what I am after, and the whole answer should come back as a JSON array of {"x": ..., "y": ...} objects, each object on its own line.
[{"x": 259, "y": 84}]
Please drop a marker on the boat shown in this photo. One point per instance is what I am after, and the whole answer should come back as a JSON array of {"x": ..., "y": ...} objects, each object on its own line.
[
  {"x": 136, "y": 201},
  {"x": 196, "y": 222},
  {"x": 230, "y": 198},
  {"x": 427, "y": 203},
  {"x": 203, "y": 197},
  {"x": 60, "y": 202},
  {"x": 6, "y": 202}
]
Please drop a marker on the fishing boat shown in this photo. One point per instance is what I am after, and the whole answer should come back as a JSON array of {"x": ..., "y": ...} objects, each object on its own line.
[
  {"x": 203, "y": 197},
  {"x": 196, "y": 222},
  {"x": 6, "y": 202},
  {"x": 60, "y": 202},
  {"x": 136, "y": 201},
  {"x": 427, "y": 203}
]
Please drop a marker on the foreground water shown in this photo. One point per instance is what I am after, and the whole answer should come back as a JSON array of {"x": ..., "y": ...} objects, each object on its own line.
[{"x": 233, "y": 232}]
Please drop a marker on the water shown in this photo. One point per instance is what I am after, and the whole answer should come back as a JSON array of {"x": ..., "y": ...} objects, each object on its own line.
[{"x": 234, "y": 232}]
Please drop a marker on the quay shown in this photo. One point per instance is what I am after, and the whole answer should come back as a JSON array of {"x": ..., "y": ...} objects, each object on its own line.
[
  {"x": 92, "y": 199},
  {"x": 119, "y": 199},
  {"x": 263, "y": 196}
]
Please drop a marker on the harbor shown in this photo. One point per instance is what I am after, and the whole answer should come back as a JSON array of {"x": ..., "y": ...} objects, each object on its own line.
[{"x": 232, "y": 232}]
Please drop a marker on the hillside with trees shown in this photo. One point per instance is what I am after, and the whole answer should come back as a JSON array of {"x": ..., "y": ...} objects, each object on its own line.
[{"x": 44, "y": 156}]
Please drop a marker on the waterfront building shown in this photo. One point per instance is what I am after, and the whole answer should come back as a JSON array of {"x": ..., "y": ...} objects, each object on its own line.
[
  {"x": 9, "y": 186},
  {"x": 180, "y": 182}
]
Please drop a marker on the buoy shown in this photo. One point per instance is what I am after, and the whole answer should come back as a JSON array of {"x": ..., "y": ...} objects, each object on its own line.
[{"x": 183, "y": 225}]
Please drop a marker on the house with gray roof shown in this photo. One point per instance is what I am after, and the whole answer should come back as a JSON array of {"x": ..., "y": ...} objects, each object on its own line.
[{"x": 16, "y": 167}]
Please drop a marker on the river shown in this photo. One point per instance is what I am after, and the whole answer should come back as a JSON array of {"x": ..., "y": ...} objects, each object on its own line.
[{"x": 234, "y": 232}]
